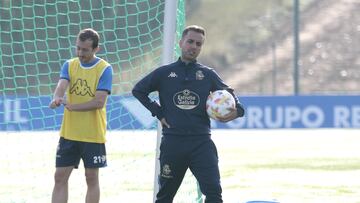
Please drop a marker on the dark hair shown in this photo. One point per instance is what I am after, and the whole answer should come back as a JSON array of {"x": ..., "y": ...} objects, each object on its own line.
[
  {"x": 89, "y": 34},
  {"x": 194, "y": 28}
]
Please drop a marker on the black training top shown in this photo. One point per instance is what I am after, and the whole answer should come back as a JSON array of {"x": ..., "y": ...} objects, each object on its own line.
[{"x": 183, "y": 90}]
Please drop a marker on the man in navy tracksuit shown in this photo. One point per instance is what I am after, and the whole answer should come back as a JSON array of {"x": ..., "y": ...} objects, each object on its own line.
[{"x": 183, "y": 88}]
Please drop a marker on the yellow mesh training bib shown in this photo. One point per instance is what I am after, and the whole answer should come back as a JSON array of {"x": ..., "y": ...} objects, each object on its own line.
[{"x": 88, "y": 126}]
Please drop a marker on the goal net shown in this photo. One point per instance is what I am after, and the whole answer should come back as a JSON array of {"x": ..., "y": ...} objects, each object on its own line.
[{"x": 36, "y": 38}]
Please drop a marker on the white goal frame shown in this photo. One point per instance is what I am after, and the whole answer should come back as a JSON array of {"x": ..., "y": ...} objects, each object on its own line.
[{"x": 169, "y": 33}]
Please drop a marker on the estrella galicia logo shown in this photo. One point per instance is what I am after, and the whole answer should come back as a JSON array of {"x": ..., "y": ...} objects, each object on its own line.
[
  {"x": 81, "y": 87},
  {"x": 186, "y": 99}
]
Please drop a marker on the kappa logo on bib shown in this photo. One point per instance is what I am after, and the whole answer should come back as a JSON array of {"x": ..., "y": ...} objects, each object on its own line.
[
  {"x": 186, "y": 99},
  {"x": 80, "y": 87}
]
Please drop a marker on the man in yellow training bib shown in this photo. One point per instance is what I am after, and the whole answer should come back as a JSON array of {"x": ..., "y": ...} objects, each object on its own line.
[{"x": 87, "y": 81}]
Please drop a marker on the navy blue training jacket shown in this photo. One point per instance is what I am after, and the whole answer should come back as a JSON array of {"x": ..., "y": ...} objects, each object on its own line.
[{"x": 183, "y": 90}]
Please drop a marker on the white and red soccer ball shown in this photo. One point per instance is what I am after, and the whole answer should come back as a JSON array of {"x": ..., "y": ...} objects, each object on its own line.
[{"x": 218, "y": 103}]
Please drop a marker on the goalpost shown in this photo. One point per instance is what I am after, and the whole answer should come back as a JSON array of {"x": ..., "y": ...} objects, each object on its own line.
[
  {"x": 166, "y": 58},
  {"x": 169, "y": 45}
]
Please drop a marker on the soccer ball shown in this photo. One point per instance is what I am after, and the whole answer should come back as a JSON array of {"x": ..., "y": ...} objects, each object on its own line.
[{"x": 218, "y": 102}]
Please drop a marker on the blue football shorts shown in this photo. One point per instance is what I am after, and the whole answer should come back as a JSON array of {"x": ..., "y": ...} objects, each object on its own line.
[{"x": 70, "y": 152}]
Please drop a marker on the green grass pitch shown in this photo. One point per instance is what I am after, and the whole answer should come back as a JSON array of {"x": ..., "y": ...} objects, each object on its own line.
[{"x": 292, "y": 166}]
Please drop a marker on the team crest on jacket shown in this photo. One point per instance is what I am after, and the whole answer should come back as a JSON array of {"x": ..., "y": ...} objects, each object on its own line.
[
  {"x": 81, "y": 87},
  {"x": 186, "y": 99},
  {"x": 199, "y": 75}
]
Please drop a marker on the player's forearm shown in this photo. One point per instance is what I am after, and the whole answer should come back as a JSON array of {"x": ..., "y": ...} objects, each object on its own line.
[
  {"x": 240, "y": 110},
  {"x": 59, "y": 93},
  {"x": 61, "y": 89},
  {"x": 152, "y": 106},
  {"x": 87, "y": 106},
  {"x": 97, "y": 102},
  {"x": 239, "y": 107}
]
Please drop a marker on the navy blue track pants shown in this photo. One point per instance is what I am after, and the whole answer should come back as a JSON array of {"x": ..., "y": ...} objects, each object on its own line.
[{"x": 199, "y": 154}]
